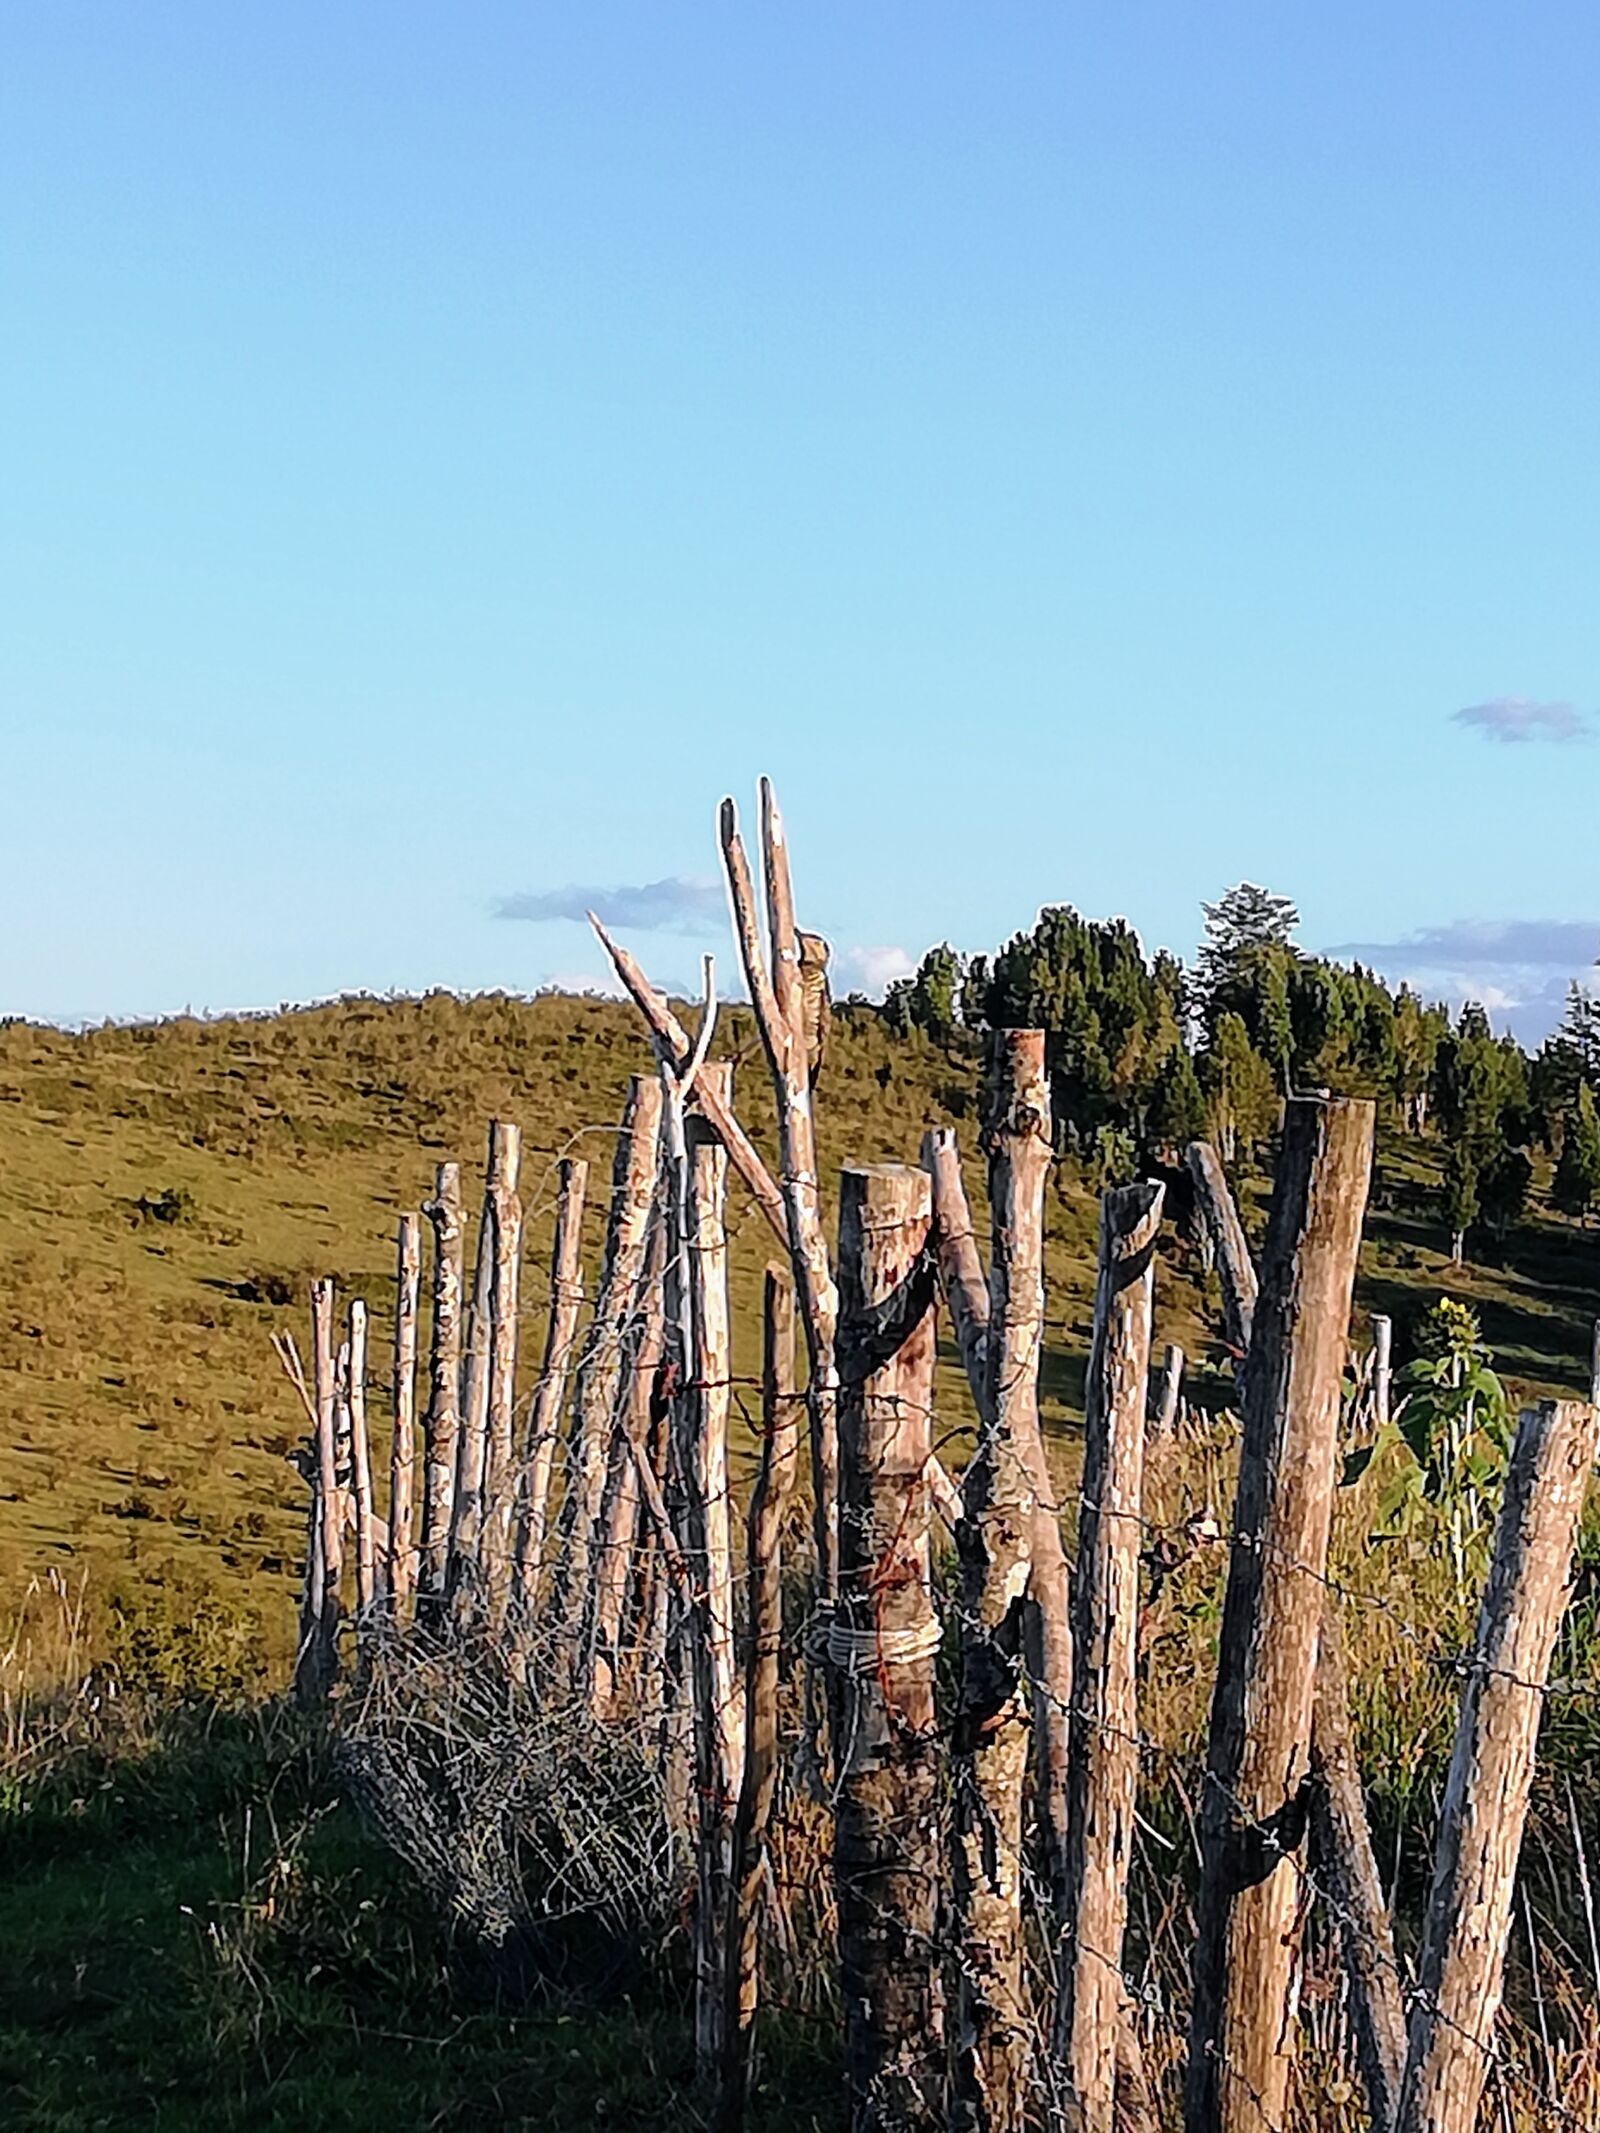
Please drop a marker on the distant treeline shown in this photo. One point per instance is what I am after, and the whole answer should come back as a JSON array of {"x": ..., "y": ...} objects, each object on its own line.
[{"x": 1147, "y": 1054}]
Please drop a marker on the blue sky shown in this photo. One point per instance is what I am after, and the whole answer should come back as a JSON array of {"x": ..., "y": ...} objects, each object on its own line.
[{"x": 1085, "y": 455}]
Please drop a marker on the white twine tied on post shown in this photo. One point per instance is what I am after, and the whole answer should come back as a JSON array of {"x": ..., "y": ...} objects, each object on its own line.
[{"x": 855, "y": 1651}]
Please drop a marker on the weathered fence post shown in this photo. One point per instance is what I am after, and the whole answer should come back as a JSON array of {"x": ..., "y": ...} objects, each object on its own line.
[
  {"x": 1347, "y": 1874},
  {"x": 332, "y": 1526},
  {"x": 1046, "y": 1618},
  {"x": 993, "y": 2041},
  {"x": 619, "y": 1511},
  {"x": 882, "y": 1644},
  {"x": 1382, "y": 1367},
  {"x": 1103, "y": 1760},
  {"x": 1171, "y": 1390},
  {"x": 1255, "y": 1805},
  {"x": 600, "y": 1367},
  {"x": 1463, "y": 1951},
  {"x": 402, "y": 1552},
  {"x": 780, "y": 1016},
  {"x": 441, "y": 1426},
  {"x": 1594, "y": 1367},
  {"x": 780, "y": 1437},
  {"x": 1221, "y": 1218},
  {"x": 544, "y": 1414},
  {"x": 468, "y": 1583},
  {"x": 361, "y": 1463},
  {"x": 500, "y": 1476}
]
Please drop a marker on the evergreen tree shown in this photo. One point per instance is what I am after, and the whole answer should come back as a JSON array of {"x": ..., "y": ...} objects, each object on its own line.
[
  {"x": 1177, "y": 1109},
  {"x": 1243, "y": 1095},
  {"x": 1239, "y": 924},
  {"x": 1576, "y": 1187},
  {"x": 1503, "y": 1190},
  {"x": 1460, "y": 1196}
]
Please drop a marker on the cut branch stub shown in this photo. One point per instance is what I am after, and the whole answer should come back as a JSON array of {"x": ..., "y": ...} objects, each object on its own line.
[
  {"x": 882, "y": 1646},
  {"x": 1255, "y": 1803}
]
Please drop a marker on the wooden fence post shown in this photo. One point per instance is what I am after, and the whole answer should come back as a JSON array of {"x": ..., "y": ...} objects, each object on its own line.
[
  {"x": 441, "y": 1426},
  {"x": 780, "y": 1438},
  {"x": 1491, "y": 1771},
  {"x": 1382, "y": 1367},
  {"x": 402, "y": 1553},
  {"x": 1347, "y": 1873},
  {"x": 500, "y": 1477},
  {"x": 1171, "y": 1390},
  {"x": 1255, "y": 1804},
  {"x": 1221, "y": 1218},
  {"x": 473, "y": 1464},
  {"x": 600, "y": 1368},
  {"x": 994, "y": 2034},
  {"x": 361, "y": 1464},
  {"x": 780, "y": 1016},
  {"x": 619, "y": 1511},
  {"x": 882, "y": 1645},
  {"x": 1103, "y": 1759},
  {"x": 1594, "y": 1367},
  {"x": 332, "y": 1526},
  {"x": 544, "y": 1414},
  {"x": 1046, "y": 1618}
]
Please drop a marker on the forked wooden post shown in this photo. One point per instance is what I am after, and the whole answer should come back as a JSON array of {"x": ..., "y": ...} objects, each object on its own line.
[
  {"x": 468, "y": 1569},
  {"x": 544, "y": 1414},
  {"x": 331, "y": 1537},
  {"x": 1347, "y": 1874},
  {"x": 402, "y": 1554},
  {"x": 1221, "y": 1218},
  {"x": 1171, "y": 1390},
  {"x": 882, "y": 1645},
  {"x": 994, "y": 2028},
  {"x": 1104, "y": 1756},
  {"x": 600, "y": 1369},
  {"x": 780, "y": 1438},
  {"x": 1255, "y": 1804},
  {"x": 366, "y": 1517},
  {"x": 1462, "y": 1959},
  {"x": 500, "y": 1478},
  {"x": 441, "y": 1427},
  {"x": 779, "y": 1008}
]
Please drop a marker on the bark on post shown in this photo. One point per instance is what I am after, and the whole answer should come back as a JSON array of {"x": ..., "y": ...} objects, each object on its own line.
[
  {"x": 993, "y": 2042},
  {"x": 1382, "y": 1368},
  {"x": 366, "y": 1535},
  {"x": 1221, "y": 1218},
  {"x": 500, "y": 1479},
  {"x": 331, "y": 1535},
  {"x": 1171, "y": 1390},
  {"x": 1104, "y": 1757},
  {"x": 468, "y": 1580},
  {"x": 1347, "y": 1872},
  {"x": 780, "y": 1017},
  {"x": 1594, "y": 1367},
  {"x": 600, "y": 1369},
  {"x": 1255, "y": 1805},
  {"x": 780, "y": 1438},
  {"x": 1463, "y": 1952},
  {"x": 882, "y": 1644},
  {"x": 442, "y": 1424},
  {"x": 544, "y": 1414},
  {"x": 402, "y": 1554}
]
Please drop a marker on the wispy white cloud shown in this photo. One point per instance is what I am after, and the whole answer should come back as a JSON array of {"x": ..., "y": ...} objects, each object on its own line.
[
  {"x": 870, "y": 970},
  {"x": 678, "y": 904},
  {"x": 1517, "y": 719},
  {"x": 1517, "y": 968}
]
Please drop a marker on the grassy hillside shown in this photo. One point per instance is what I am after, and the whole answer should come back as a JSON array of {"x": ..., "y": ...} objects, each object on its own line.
[{"x": 169, "y": 1188}]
